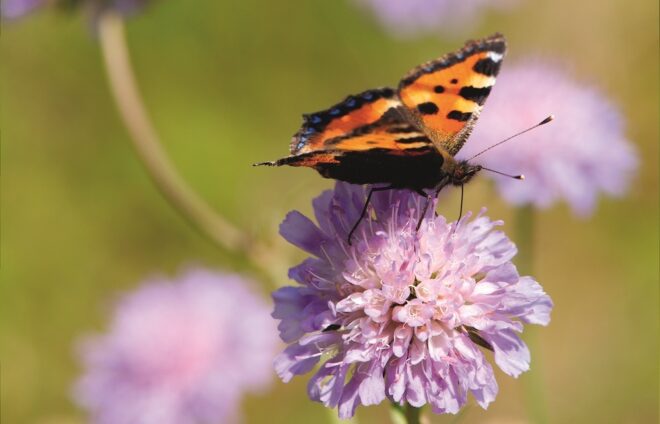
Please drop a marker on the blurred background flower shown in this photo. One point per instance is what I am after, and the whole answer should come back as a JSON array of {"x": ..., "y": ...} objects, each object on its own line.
[
  {"x": 14, "y": 9},
  {"x": 584, "y": 152},
  {"x": 402, "y": 314},
  {"x": 183, "y": 351},
  {"x": 408, "y": 18}
]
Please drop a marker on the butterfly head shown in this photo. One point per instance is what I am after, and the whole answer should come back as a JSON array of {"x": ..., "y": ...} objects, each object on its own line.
[{"x": 463, "y": 172}]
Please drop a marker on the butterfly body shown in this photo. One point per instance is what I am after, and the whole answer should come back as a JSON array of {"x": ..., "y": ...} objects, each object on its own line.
[{"x": 405, "y": 137}]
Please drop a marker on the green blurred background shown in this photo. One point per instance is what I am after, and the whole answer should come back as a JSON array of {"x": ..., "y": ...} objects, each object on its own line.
[{"x": 226, "y": 83}]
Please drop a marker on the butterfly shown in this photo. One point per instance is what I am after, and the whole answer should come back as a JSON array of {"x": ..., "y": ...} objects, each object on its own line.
[{"x": 405, "y": 138}]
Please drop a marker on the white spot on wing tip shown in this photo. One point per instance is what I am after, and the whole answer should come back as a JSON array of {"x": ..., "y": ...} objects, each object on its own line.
[{"x": 495, "y": 57}]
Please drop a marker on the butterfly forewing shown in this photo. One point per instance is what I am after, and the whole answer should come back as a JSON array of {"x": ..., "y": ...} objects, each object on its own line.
[{"x": 444, "y": 97}]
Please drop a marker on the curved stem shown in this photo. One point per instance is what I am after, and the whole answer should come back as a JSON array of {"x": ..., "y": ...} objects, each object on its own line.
[
  {"x": 149, "y": 149},
  {"x": 525, "y": 218},
  {"x": 146, "y": 141}
]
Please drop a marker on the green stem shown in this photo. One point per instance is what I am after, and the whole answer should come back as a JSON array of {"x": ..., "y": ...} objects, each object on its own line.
[
  {"x": 405, "y": 414},
  {"x": 413, "y": 414},
  {"x": 533, "y": 380},
  {"x": 149, "y": 150},
  {"x": 525, "y": 239}
]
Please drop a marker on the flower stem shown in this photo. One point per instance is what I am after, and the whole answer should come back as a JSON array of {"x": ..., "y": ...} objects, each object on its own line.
[
  {"x": 149, "y": 149},
  {"x": 533, "y": 381},
  {"x": 413, "y": 415},
  {"x": 406, "y": 414},
  {"x": 525, "y": 239}
]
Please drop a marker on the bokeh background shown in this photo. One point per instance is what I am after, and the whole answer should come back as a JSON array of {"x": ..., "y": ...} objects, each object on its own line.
[{"x": 225, "y": 83}]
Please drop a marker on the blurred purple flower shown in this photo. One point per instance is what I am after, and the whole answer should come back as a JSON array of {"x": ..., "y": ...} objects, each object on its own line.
[
  {"x": 14, "y": 9},
  {"x": 402, "y": 314},
  {"x": 413, "y": 17},
  {"x": 574, "y": 158},
  {"x": 179, "y": 352}
]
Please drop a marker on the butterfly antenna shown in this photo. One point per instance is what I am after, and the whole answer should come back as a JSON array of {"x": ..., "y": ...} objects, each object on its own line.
[
  {"x": 545, "y": 121},
  {"x": 516, "y": 177}
]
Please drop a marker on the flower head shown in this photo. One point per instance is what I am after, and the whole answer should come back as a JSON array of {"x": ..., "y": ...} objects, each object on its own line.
[
  {"x": 582, "y": 153},
  {"x": 402, "y": 314},
  {"x": 14, "y": 9},
  {"x": 179, "y": 352},
  {"x": 412, "y": 17}
]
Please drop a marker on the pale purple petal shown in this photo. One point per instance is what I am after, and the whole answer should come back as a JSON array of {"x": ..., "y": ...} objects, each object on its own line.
[
  {"x": 372, "y": 387},
  {"x": 511, "y": 354},
  {"x": 293, "y": 308},
  {"x": 528, "y": 301},
  {"x": 300, "y": 231},
  {"x": 295, "y": 360}
]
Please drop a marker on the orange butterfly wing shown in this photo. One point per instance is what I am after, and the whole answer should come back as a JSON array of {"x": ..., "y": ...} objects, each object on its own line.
[
  {"x": 354, "y": 112},
  {"x": 366, "y": 140},
  {"x": 444, "y": 97},
  {"x": 390, "y": 151},
  {"x": 401, "y": 138}
]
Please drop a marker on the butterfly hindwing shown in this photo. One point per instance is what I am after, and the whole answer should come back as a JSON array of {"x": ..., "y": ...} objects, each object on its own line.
[
  {"x": 388, "y": 149},
  {"x": 444, "y": 97}
]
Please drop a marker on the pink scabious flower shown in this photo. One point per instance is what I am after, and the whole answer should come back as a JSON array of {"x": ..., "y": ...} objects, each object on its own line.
[
  {"x": 15, "y": 9},
  {"x": 582, "y": 153},
  {"x": 402, "y": 314},
  {"x": 179, "y": 352},
  {"x": 407, "y": 18}
]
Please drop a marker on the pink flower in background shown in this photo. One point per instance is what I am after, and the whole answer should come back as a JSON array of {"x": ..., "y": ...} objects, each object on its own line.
[
  {"x": 413, "y": 17},
  {"x": 402, "y": 315},
  {"x": 14, "y": 9},
  {"x": 582, "y": 153},
  {"x": 179, "y": 352}
]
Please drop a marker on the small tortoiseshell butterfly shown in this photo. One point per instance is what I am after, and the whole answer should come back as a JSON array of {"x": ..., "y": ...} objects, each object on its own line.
[{"x": 404, "y": 138}]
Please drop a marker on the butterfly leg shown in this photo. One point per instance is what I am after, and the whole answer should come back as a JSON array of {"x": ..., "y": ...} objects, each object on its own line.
[
  {"x": 429, "y": 198},
  {"x": 364, "y": 210},
  {"x": 460, "y": 210}
]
